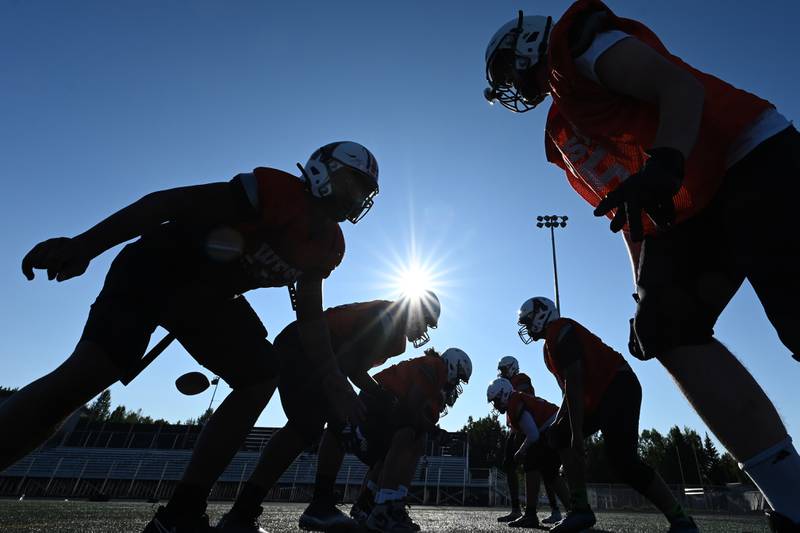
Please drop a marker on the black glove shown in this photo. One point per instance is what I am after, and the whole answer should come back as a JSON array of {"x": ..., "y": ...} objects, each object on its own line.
[
  {"x": 634, "y": 347},
  {"x": 651, "y": 189}
]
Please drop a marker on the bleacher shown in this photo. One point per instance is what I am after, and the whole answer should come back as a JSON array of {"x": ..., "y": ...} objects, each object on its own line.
[{"x": 132, "y": 461}]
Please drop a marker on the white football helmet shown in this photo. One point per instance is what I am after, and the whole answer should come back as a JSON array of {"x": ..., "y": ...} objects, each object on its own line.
[
  {"x": 507, "y": 367},
  {"x": 513, "y": 50},
  {"x": 422, "y": 313},
  {"x": 498, "y": 392},
  {"x": 345, "y": 175},
  {"x": 459, "y": 370},
  {"x": 533, "y": 316}
]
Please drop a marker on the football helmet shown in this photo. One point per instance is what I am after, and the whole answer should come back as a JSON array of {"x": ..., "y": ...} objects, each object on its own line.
[
  {"x": 421, "y": 313},
  {"x": 516, "y": 48},
  {"x": 345, "y": 176},
  {"x": 533, "y": 316},
  {"x": 507, "y": 367},
  {"x": 498, "y": 392},
  {"x": 459, "y": 370}
]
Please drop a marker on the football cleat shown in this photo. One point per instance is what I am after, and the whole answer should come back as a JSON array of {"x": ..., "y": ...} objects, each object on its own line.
[
  {"x": 232, "y": 522},
  {"x": 528, "y": 520},
  {"x": 164, "y": 522},
  {"x": 575, "y": 521},
  {"x": 389, "y": 517},
  {"x": 409, "y": 521},
  {"x": 780, "y": 524},
  {"x": 686, "y": 525},
  {"x": 513, "y": 515},
  {"x": 554, "y": 518},
  {"x": 324, "y": 515}
]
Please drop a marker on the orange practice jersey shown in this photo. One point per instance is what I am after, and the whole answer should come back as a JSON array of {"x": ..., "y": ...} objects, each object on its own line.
[
  {"x": 599, "y": 137},
  {"x": 285, "y": 243},
  {"x": 600, "y": 362},
  {"x": 540, "y": 409},
  {"x": 521, "y": 382},
  {"x": 427, "y": 372},
  {"x": 366, "y": 327}
]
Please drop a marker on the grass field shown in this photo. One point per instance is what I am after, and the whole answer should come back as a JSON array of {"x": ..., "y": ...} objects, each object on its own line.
[{"x": 119, "y": 517}]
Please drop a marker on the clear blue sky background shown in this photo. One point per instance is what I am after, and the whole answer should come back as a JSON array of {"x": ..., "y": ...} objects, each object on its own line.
[{"x": 102, "y": 102}]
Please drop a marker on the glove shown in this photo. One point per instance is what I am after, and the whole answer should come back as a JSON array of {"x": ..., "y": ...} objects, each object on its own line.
[
  {"x": 651, "y": 189},
  {"x": 62, "y": 257},
  {"x": 633, "y": 345}
]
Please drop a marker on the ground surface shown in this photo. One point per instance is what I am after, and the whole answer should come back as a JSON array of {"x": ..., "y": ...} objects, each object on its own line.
[{"x": 118, "y": 517}]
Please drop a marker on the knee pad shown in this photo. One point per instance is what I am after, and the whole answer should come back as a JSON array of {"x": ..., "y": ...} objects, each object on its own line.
[{"x": 668, "y": 318}]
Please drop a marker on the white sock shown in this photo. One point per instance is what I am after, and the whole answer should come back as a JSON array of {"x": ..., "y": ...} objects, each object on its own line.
[
  {"x": 776, "y": 473},
  {"x": 388, "y": 495}
]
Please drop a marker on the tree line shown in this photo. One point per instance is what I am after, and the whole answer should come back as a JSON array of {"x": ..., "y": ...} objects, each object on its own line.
[
  {"x": 100, "y": 411},
  {"x": 681, "y": 456}
]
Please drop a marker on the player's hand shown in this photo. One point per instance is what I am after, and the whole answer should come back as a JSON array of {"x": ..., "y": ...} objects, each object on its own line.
[
  {"x": 342, "y": 398},
  {"x": 633, "y": 344},
  {"x": 62, "y": 257},
  {"x": 649, "y": 190}
]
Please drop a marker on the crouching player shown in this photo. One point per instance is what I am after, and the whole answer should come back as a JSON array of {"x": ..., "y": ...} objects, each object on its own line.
[
  {"x": 363, "y": 335},
  {"x": 508, "y": 368},
  {"x": 198, "y": 250},
  {"x": 601, "y": 393},
  {"x": 530, "y": 416},
  {"x": 392, "y": 438}
]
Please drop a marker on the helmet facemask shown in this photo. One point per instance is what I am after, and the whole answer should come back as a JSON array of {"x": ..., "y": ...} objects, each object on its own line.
[
  {"x": 344, "y": 176},
  {"x": 421, "y": 314},
  {"x": 511, "y": 75}
]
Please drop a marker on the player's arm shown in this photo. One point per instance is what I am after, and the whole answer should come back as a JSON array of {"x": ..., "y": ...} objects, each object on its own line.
[
  {"x": 64, "y": 258},
  {"x": 316, "y": 341},
  {"x": 366, "y": 383},
  {"x": 633, "y": 68},
  {"x": 417, "y": 403},
  {"x": 569, "y": 358},
  {"x": 528, "y": 426}
]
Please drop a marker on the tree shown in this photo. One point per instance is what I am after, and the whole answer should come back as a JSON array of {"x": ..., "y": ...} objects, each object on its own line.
[
  {"x": 100, "y": 408},
  {"x": 486, "y": 437}
]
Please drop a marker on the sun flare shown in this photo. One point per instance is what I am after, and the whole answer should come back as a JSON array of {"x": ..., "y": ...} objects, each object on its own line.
[{"x": 413, "y": 280}]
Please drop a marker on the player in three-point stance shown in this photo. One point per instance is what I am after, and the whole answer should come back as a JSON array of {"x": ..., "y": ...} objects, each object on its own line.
[
  {"x": 529, "y": 416},
  {"x": 601, "y": 393},
  {"x": 363, "y": 335},
  {"x": 198, "y": 249},
  {"x": 508, "y": 368},
  {"x": 392, "y": 438},
  {"x": 681, "y": 159}
]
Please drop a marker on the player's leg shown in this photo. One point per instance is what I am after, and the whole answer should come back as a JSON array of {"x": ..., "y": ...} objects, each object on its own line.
[
  {"x": 510, "y": 469},
  {"x": 322, "y": 513},
  {"x": 580, "y": 515},
  {"x": 389, "y": 512},
  {"x": 532, "y": 481},
  {"x": 279, "y": 453},
  {"x": 30, "y": 415},
  {"x": 619, "y": 421},
  {"x": 555, "y": 512},
  {"x": 227, "y": 337},
  {"x": 769, "y": 258}
]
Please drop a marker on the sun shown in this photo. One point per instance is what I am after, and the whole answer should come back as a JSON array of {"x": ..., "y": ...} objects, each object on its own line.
[{"x": 414, "y": 280}]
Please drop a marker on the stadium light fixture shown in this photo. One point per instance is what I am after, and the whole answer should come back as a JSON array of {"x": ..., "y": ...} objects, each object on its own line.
[{"x": 551, "y": 222}]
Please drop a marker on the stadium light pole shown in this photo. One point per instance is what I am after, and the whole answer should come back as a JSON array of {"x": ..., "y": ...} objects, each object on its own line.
[
  {"x": 552, "y": 222},
  {"x": 215, "y": 382}
]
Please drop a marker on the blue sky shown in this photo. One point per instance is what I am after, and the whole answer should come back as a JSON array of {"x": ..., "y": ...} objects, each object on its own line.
[{"x": 103, "y": 102}]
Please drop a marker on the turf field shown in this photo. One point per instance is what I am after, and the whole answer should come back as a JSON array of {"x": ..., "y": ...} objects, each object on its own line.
[{"x": 115, "y": 517}]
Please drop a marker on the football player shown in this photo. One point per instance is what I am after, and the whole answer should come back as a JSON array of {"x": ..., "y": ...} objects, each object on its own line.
[
  {"x": 529, "y": 416},
  {"x": 601, "y": 393},
  {"x": 363, "y": 336},
  {"x": 198, "y": 249},
  {"x": 508, "y": 368},
  {"x": 392, "y": 438},
  {"x": 680, "y": 158}
]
